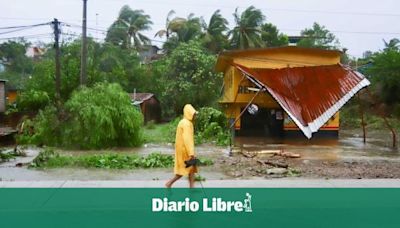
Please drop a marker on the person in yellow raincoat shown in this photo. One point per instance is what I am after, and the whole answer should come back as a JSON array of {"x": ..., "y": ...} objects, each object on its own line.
[{"x": 184, "y": 147}]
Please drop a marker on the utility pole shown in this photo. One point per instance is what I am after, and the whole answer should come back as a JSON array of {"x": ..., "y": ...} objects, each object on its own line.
[
  {"x": 57, "y": 31},
  {"x": 84, "y": 46}
]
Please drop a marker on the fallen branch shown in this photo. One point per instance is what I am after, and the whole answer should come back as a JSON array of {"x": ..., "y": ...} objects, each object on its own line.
[{"x": 279, "y": 153}]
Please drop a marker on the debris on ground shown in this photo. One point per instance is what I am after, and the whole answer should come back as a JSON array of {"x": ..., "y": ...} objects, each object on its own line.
[{"x": 277, "y": 171}]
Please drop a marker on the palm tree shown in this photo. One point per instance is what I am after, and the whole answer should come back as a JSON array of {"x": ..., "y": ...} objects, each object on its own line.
[
  {"x": 171, "y": 25},
  {"x": 213, "y": 37},
  {"x": 393, "y": 44},
  {"x": 181, "y": 30},
  {"x": 126, "y": 30},
  {"x": 247, "y": 32}
]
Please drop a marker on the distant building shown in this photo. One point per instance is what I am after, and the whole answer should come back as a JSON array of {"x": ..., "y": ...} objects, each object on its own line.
[
  {"x": 149, "y": 53},
  {"x": 34, "y": 52},
  {"x": 149, "y": 105}
]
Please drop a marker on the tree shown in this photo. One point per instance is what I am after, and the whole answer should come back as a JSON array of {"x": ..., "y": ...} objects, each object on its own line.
[
  {"x": 126, "y": 30},
  {"x": 106, "y": 63},
  {"x": 17, "y": 66},
  {"x": 271, "y": 37},
  {"x": 93, "y": 118},
  {"x": 318, "y": 37},
  {"x": 12, "y": 54},
  {"x": 385, "y": 73},
  {"x": 182, "y": 30},
  {"x": 187, "y": 77},
  {"x": 213, "y": 37},
  {"x": 247, "y": 32},
  {"x": 393, "y": 44},
  {"x": 170, "y": 25}
]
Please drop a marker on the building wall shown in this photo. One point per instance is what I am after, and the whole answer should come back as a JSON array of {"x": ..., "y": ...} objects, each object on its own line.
[{"x": 11, "y": 97}]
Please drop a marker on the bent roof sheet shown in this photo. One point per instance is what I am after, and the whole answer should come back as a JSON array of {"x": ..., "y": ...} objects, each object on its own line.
[{"x": 309, "y": 95}]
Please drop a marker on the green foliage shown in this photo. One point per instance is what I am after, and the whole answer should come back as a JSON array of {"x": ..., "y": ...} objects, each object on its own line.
[
  {"x": 8, "y": 154},
  {"x": 43, "y": 157},
  {"x": 211, "y": 124},
  {"x": 102, "y": 116},
  {"x": 126, "y": 30},
  {"x": 32, "y": 100},
  {"x": 214, "y": 38},
  {"x": 162, "y": 133},
  {"x": 247, "y": 31},
  {"x": 318, "y": 37},
  {"x": 97, "y": 117},
  {"x": 45, "y": 129},
  {"x": 48, "y": 158},
  {"x": 385, "y": 74},
  {"x": 12, "y": 53},
  {"x": 106, "y": 63},
  {"x": 188, "y": 77},
  {"x": 271, "y": 37}
]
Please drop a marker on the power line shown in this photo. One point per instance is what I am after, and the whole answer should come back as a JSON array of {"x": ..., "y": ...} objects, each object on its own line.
[
  {"x": 25, "y": 26},
  {"x": 28, "y": 36}
]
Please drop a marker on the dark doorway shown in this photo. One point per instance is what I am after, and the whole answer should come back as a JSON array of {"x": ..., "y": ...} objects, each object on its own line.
[{"x": 266, "y": 122}]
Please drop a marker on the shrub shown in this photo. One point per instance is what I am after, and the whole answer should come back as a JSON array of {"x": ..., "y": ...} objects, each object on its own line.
[
  {"x": 102, "y": 116},
  {"x": 211, "y": 124},
  {"x": 93, "y": 118},
  {"x": 32, "y": 100}
]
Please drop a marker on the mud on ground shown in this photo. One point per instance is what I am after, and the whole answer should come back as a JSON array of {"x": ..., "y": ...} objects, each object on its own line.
[{"x": 244, "y": 168}]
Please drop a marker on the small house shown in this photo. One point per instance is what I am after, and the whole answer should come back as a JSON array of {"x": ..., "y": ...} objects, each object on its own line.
[{"x": 149, "y": 105}]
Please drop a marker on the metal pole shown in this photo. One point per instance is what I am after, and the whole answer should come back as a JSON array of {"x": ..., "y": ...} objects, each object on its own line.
[
  {"x": 248, "y": 104},
  {"x": 84, "y": 45}
]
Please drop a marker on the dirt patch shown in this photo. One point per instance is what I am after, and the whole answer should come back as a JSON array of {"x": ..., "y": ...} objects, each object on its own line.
[{"x": 245, "y": 168}]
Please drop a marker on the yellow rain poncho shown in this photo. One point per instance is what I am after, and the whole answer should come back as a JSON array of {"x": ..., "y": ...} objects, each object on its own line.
[{"x": 184, "y": 142}]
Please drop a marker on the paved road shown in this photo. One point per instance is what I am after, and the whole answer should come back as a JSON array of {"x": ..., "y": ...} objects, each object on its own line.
[{"x": 279, "y": 183}]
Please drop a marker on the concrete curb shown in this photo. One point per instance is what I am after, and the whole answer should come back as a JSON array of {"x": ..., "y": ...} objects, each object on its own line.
[{"x": 279, "y": 183}]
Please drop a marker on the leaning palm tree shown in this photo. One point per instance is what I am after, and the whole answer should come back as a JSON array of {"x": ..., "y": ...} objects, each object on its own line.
[
  {"x": 213, "y": 37},
  {"x": 171, "y": 25},
  {"x": 126, "y": 30},
  {"x": 393, "y": 44},
  {"x": 181, "y": 30},
  {"x": 247, "y": 32}
]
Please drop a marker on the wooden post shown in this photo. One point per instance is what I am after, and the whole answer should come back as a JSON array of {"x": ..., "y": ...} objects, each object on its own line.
[{"x": 362, "y": 119}]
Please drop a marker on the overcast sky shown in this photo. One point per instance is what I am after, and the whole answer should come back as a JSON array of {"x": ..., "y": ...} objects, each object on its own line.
[{"x": 359, "y": 25}]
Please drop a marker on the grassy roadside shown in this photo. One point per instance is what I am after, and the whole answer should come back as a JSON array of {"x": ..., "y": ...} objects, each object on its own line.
[
  {"x": 48, "y": 158},
  {"x": 160, "y": 133}
]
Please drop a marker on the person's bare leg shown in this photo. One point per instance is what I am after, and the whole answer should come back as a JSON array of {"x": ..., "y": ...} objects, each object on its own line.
[
  {"x": 191, "y": 180},
  {"x": 172, "y": 181}
]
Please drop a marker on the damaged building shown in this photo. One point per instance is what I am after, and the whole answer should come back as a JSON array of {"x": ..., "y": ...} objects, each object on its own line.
[{"x": 286, "y": 91}]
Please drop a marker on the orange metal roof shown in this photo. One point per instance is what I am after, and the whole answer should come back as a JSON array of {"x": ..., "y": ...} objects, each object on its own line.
[{"x": 309, "y": 95}]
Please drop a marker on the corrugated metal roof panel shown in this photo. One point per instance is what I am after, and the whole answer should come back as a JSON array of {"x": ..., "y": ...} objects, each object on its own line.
[{"x": 309, "y": 95}]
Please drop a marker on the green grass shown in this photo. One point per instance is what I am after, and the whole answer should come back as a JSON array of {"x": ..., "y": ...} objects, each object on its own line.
[
  {"x": 165, "y": 133},
  {"x": 161, "y": 133},
  {"x": 48, "y": 158}
]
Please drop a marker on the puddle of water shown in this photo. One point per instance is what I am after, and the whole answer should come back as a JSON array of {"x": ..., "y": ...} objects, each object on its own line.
[{"x": 349, "y": 145}]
